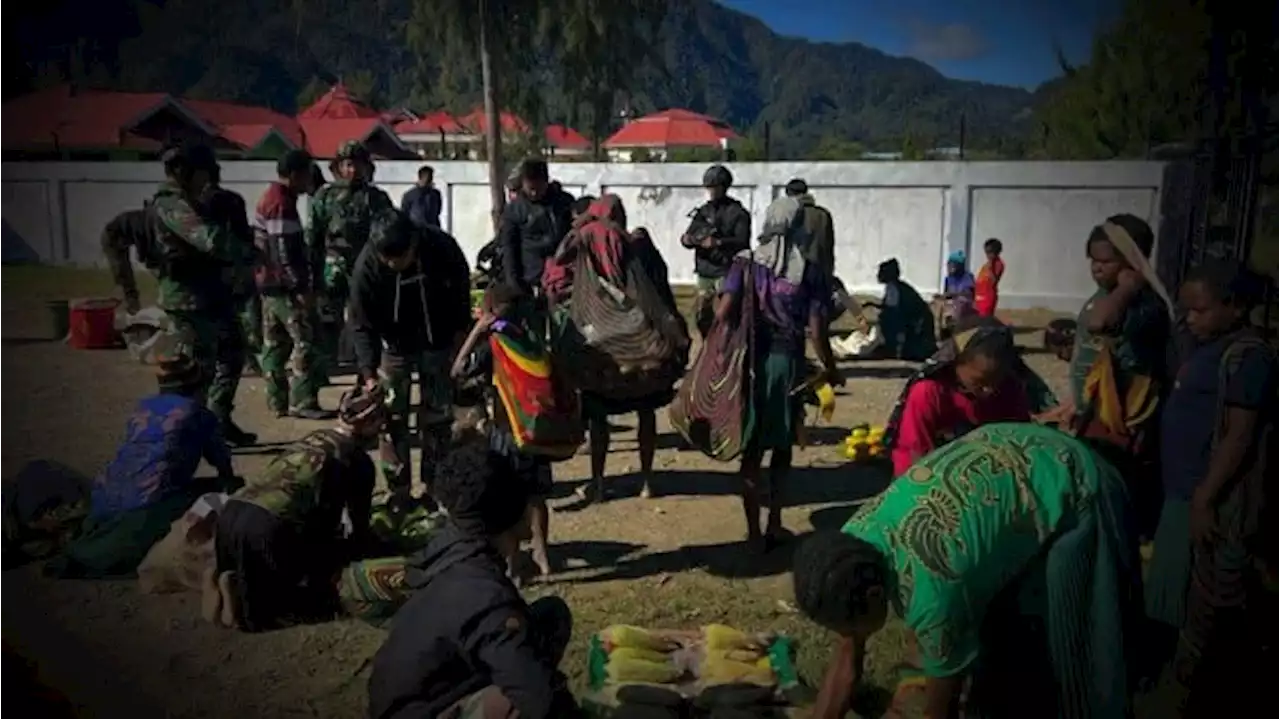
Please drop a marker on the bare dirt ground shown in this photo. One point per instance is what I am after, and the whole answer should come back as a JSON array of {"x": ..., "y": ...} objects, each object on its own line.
[{"x": 675, "y": 560}]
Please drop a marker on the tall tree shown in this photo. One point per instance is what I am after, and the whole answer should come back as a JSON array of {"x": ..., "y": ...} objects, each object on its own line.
[
  {"x": 603, "y": 46},
  {"x": 1143, "y": 85},
  {"x": 497, "y": 38}
]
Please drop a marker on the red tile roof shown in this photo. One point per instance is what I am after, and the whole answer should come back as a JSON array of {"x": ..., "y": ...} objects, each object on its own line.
[
  {"x": 90, "y": 119},
  {"x": 431, "y": 123},
  {"x": 336, "y": 104},
  {"x": 566, "y": 138},
  {"x": 509, "y": 122},
  {"x": 229, "y": 114},
  {"x": 672, "y": 128},
  {"x": 324, "y": 137}
]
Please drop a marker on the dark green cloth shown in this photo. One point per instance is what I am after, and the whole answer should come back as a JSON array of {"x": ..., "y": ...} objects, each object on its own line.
[
  {"x": 1169, "y": 571},
  {"x": 907, "y": 324},
  {"x": 775, "y": 410},
  {"x": 113, "y": 547}
]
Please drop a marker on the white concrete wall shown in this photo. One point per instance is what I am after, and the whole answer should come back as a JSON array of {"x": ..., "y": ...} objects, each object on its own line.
[{"x": 917, "y": 212}]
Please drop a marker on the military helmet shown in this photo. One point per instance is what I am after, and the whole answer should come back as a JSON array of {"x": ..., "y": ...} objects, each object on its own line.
[
  {"x": 353, "y": 150},
  {"x": 717, "y": 176}
]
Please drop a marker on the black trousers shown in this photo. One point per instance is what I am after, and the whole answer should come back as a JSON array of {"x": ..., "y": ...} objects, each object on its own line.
[{"x": 280, "y": 577}]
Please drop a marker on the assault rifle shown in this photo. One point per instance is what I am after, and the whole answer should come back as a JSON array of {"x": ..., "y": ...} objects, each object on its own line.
[{"x": 702, "y": 225}]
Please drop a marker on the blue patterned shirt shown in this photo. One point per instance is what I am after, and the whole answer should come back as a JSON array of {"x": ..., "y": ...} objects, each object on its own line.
[{"x": 166, "y": 437}]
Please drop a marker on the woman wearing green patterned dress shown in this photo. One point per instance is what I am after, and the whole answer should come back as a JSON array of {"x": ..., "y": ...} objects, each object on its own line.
[{"x": 1006, "y": 555}]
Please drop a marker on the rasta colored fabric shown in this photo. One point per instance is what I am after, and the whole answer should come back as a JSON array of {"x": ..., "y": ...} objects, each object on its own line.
[
  {"x": 1010, "y": 561},
  {"x": 712, "y": 407},
  {"x": 371, "y": 590},
  {"x": 543, "y": 413},
  {"x": 619, "y": 339}
]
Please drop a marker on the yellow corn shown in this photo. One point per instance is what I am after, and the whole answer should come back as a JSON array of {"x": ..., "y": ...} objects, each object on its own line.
[
  {"x": 718, "y": 670},
  {"x": 644, "y": 655},
  {"x": 623, "y": 635},
  {"x": 624, "y": 670},
  {"x": 719, "y": 636}
]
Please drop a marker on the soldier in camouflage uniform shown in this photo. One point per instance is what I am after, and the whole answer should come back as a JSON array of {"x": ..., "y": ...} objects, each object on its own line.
[
  {"x": 278, "y": 541},
  {"x": 340, "y": 217},
  {"x": 125, "y": 230},
  {"x": 194, "y": 259},
  {"x": 287, "y": 280},
  {"x": 240, "y": 343}
]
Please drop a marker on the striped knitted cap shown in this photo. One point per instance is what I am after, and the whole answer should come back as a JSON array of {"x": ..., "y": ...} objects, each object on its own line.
[
  {"x": 360, "y": 405},
  {"x": 176, "y": 364}
]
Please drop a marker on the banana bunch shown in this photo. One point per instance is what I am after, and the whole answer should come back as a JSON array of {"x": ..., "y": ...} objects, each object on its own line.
[
  {"x": 638, "y": 655},
  {"x": 734, "y": 657},
  {"x": 864, "y": 442}
]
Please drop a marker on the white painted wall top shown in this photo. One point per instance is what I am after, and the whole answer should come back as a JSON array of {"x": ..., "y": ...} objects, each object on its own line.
[{"x": 916, "y": 211}]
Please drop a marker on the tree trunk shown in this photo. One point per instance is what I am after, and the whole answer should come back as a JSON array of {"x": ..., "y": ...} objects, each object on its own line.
[{"x": 493, "y": 125}]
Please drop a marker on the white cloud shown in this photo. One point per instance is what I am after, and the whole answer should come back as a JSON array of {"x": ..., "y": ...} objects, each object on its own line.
[{"x": 936, "y": 42}]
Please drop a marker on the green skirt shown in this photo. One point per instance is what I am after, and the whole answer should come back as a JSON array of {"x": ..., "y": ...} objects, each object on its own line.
[
  {"x": 1169, "y": 571},
  {"x": 774, "y": 409}
]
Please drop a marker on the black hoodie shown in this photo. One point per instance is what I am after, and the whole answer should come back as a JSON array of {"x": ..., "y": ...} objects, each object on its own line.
[
  {"x": 425, "y": 308},
  {"x": 465, "y": 628}
]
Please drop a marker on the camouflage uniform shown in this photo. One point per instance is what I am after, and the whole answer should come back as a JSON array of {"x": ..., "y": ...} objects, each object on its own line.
[
  {"x": 251, "y": 324},
  {"x": 197, "y": 263},
  {"x": 286, "y": 278},
  {"x": 341, "y": 216},
  {"x": 228, "y": 208},
  {"x": 432, "y": 421},
  {"x": 278, "y": 536}
]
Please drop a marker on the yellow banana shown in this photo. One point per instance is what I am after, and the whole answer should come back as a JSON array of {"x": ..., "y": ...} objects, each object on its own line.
[{"x": 623, "y": 670}]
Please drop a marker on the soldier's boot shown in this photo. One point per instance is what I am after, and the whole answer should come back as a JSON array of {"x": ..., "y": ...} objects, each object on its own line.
[{"x": 235, "y": 436}]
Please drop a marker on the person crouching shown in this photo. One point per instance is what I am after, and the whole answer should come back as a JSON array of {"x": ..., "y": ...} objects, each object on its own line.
[
  {"x": 466, "y": 644},
  {"x": 277, "y": 544}
]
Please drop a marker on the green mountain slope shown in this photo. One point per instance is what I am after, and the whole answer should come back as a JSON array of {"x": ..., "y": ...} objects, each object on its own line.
[{"x": 717, "y": 61}]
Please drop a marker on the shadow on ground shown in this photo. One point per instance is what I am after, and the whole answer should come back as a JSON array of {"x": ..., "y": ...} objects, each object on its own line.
[{"x": 846, "y": 486}]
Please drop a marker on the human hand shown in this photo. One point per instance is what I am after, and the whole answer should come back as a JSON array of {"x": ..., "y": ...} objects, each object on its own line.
[
  {"x": 707, "y": 243},
  {"x": 371, "y": 383}
]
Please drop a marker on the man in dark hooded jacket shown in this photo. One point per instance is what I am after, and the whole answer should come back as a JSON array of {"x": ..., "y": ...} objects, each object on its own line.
[
  {"x": 410, "y": 290},
  {"x": 466, "y": 644},
  {"x": 533, "y": 224}
]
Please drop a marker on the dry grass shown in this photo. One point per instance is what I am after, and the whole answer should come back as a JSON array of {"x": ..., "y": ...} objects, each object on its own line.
[{"x": 672, "y": 561}]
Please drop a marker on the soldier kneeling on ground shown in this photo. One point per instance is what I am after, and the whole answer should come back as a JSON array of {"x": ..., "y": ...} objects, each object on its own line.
[{"x": 278, "y": 542}]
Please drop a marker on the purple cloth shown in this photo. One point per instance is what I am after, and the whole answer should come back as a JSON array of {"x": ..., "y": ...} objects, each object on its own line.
[
  {"x": 165, "y": 440},
  {"x": 962, "y": 305},
  {"x": 785, "y": 307}
]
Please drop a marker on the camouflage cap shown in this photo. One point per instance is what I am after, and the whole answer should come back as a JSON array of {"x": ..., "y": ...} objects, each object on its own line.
[
  {"x": 353, "y": 150},
  {"x": 361, "y": 405}
]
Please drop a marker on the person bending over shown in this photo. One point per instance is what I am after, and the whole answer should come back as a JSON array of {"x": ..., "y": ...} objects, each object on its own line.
[
  {"x": 466, "y": 644},
  {"x": 1006, "y": 555},
  {"x": 278, "y": 545}
]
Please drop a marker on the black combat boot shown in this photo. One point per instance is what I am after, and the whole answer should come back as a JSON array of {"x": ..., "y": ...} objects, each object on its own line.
[{"x": 235, "y": 436}]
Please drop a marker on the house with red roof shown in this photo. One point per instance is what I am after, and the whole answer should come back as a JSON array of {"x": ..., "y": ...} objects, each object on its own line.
[
  {"x": 62, "y": 123},
  {"x": 439, "y": 134},
  {"x": 660, "y": 133}
]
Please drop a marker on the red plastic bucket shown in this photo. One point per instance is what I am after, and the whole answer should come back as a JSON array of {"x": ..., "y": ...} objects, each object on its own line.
[{"x": 93, "y": 324}]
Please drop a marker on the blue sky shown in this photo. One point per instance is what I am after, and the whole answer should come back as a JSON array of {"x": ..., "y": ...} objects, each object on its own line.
[{"x": 1009, "y": 42}]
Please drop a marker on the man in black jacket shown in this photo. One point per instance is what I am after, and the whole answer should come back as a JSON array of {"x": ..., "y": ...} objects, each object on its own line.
[
  {"x": 411, "y": 289},
  {"x": 466, "y": 645},
  {"x": 422, "y": 203},
  {"x": 532, "y": 225},
  {"x": 717, "y": 231}
]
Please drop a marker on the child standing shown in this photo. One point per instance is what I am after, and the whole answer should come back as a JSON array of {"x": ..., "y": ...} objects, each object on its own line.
[
  {"x": 957, "y": 292},
  {"x": 986, "y": 291},
  {"x": 1217, "y": 455},
  {"x": 475, "y": 360}
]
